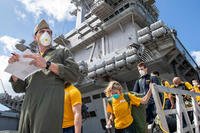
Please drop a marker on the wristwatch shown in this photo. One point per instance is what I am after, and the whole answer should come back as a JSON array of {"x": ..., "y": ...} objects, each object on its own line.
[{"x": 48, "y": 64}]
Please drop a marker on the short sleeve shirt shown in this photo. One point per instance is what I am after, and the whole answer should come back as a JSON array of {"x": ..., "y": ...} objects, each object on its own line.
[
  {"x": 72, "y": 98},
  {"x": 121, "y": 110}
]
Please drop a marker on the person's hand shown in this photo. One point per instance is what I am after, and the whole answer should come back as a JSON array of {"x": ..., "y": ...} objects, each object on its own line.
[
  {"x": 109, "y": 125},
  {"x": 192, "y": 90},
  {"x": 37, "y": 61},
  {"x": 13, "y": 58},
  {"x": 14, "y": 78}
]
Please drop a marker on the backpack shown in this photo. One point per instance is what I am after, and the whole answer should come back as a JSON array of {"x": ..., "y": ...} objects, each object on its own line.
[{"x": 138, "y": 113}]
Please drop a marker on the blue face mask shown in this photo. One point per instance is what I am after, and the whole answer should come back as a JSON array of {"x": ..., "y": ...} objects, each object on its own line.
[{"x": 116, "y": 96}]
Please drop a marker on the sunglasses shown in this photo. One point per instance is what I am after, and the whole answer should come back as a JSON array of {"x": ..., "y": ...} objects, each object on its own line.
[{"x": 45, "y": 30}]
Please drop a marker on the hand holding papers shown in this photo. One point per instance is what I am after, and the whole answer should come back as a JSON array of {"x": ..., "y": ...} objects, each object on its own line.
[{"x": 22, "y": 68}]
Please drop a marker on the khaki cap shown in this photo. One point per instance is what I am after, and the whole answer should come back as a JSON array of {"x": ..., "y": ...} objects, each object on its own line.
[{"x": 42, "y": 25}]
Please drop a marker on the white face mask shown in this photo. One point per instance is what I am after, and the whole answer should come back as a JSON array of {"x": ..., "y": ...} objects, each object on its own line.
[
  {"x": 142, "y": 72},
  {"x": 195, "y": 83},
  {"x": 45, "y": 39},
  {"x": 152, "y": 74}
]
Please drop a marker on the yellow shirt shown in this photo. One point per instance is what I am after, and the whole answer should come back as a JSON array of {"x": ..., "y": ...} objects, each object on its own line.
[
  {"x": 166, "y": 84},
  {"x": 197, "y": 90},
  {"x": 72, "y": 98},
  {"x": 166, "y": 95},
  {"x": 188, "y": 85},
  {"x": 121, "y": 110}
]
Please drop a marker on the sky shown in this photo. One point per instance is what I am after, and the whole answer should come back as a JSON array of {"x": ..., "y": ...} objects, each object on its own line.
[{"x": 19, "y": 17}]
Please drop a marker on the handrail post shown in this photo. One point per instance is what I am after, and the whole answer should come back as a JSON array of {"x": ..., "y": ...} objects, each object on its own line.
[
  {"x": 159, "y": 110},
  {"x": 195, "y": 113},
  {"x": 105, "y": 113},
  {"x": 179, "y": 115}
]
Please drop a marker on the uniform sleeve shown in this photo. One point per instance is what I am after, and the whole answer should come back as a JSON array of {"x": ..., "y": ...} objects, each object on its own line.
[
  {"x": 18, "y": 86},
  {"x": 155, "y": 79},
  {"x": 75, "y": 97},
  {"x": 196, "y": 89},
  {"x": 109, "y": 108},
  {"x": 188, "y": 85},
  {"x": 136, "y": 87},
  {"x": 167, "y": 84},
  {"x": 134, "y": 100},
  {"x": 69, "y": 70},
  {"x": 172, "y": 86}
]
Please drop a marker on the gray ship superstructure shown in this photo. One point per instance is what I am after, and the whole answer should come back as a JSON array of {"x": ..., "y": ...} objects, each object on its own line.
[{"x": 110, "y": 38}]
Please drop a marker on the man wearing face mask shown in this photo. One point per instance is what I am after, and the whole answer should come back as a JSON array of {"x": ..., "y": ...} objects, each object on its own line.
[
  {"x": 42, "y": 109},
  {"x": 142, "y": 86},
  {"x": 179, "y": 84}
]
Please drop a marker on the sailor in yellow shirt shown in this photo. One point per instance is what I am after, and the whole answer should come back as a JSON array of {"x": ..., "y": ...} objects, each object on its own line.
[
  {"x": 120, "y": 111},
  {"x": 168, "y": 102},
  {"x": 196, "y": 88},
  {"x": 72, "y": 118},
  {"x": 179, "y": 84}
]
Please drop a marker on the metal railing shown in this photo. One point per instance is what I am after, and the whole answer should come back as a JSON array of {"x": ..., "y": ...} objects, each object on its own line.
[{"x": 180, "y": 111}]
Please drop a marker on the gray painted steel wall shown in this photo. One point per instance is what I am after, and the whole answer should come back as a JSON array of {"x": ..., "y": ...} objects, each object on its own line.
[
  {"x": 8, "y": 121},
  {"x": 8, "y": 131}
]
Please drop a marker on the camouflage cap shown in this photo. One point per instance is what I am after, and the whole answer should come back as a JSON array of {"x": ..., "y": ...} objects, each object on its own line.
[{"x": 42, "y": 25}]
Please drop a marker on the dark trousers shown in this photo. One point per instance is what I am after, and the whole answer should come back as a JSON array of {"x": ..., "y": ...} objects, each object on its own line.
[
  {"x": 69, "y": 130},
  {"x": 129, "y": 129},
  {"x": 150, "y": 112},
  {"x": 167, "y": 104}
]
